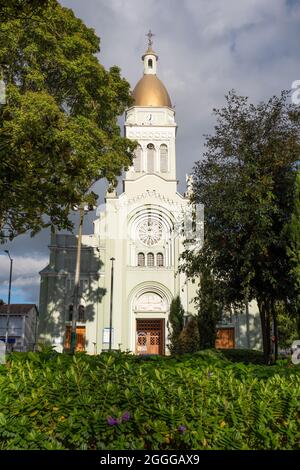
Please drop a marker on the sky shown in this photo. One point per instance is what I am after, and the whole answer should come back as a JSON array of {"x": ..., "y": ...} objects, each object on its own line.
[{"x": 205, "y": 48}]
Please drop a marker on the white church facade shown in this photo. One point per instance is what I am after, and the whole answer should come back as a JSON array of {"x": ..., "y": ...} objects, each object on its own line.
[{"x": 135, "y": 233}]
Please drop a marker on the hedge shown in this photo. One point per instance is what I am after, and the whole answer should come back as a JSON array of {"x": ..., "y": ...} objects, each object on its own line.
[{"x": 120, "y": 401}]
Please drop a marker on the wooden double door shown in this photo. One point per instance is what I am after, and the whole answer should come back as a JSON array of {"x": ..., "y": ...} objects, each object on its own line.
[
  {"x": 80, "y": 338},
  {"x": 150, "y": 336},
  {"x": 225, "y": 338}
]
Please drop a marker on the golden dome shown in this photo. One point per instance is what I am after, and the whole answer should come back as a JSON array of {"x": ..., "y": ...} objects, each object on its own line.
[{"x": 150, "y": 91}]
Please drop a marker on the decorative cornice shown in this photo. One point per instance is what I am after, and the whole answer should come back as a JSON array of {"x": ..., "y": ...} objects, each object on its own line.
[
  {"x": 154, "y": 194},
  {"x": 148, "y": 134}
]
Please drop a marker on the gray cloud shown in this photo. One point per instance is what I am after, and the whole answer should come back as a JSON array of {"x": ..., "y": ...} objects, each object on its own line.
[
  {"x": 205, "y": 47},
  {"x": 25, "y": 280}
]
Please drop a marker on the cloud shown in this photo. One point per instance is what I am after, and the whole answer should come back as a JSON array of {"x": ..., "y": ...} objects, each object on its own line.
[
  {"x": 23, "y": 265},
  {"x": 23, "y": 281},
  {"x": 205, "y": 47},
  {"x": 25, "y": 278}
]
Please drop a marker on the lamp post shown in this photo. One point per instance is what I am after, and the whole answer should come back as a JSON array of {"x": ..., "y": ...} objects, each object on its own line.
[
  {"x": 8, "y": 302},
  {"x": 111, "y": 302}
]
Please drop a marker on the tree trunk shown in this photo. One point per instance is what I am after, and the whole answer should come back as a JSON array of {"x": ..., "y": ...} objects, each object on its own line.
[
  {"x": 275, "y": 331},
  {"x": 247, "y": 323},
  {"x": 298, "y": 316},
  {"x": 264, "y": 312},
  {"x": 268, "y": 332}
]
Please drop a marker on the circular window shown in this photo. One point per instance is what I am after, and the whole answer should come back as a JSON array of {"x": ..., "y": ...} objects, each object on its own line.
[{"x": 150, "y": 232}]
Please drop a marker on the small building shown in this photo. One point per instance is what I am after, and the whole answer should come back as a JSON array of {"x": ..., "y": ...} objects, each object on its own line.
[
  {"x": 22, "y": 325},
  {"x": 240, "y": 328}
]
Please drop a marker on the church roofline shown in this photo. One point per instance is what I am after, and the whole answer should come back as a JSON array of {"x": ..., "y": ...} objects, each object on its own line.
[
  {"x": 149, "y": 107},
  {"x": 150, "y": 174},
  {"x": 71, "y": 274},
  {"x": 152, "y": 194}
]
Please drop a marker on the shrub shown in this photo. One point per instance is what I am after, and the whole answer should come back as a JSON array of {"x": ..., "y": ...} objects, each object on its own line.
[
  {"x": 247, "y": 356},
  {"x": 119, "y": 401},
  {"x": 176, "y": 320},
  {"x": 188, "y": 341}
]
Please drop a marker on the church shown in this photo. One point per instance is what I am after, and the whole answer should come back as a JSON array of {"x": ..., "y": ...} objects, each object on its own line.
[{"x": 129, "y": 265}]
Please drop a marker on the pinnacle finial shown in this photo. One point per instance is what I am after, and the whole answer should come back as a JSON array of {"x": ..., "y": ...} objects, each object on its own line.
[{"x": 150, "y": 36}]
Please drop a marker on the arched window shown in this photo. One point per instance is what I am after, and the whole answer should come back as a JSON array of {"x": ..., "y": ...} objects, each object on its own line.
[
  {"x": 150, "y": 158},
  {"x": 150, "y": 259},
  {"x": 150, "y": 63},
  {"x": 141, "y": 259},
  {"x": 163, "y": 151},
  {"x": 70, "y": 312},
  {"x": 81, "y": 314},
  {"x": 159, "y": 259},
  {"x": 137, "y": 161}
]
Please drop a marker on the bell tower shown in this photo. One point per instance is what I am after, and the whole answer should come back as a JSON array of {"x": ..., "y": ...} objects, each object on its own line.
[
  {"x": 151, "y": 121},
  {"x": 150, "y": 58}
]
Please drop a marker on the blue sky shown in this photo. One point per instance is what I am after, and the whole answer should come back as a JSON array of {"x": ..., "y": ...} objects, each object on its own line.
[{"x": 205, "y": 47}]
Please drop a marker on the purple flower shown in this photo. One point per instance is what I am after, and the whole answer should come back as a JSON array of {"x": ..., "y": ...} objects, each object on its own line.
[
  {"x": 126, "y": 416},
  {"x": 112, "y": 421},
  {"x": 182, "y": 429}
]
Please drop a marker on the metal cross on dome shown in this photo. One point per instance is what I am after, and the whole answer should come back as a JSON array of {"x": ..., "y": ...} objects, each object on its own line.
[{"x": 150, "y": 36}]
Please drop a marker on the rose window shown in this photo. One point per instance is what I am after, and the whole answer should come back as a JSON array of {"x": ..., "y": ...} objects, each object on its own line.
[{"x": 150, "y": 232}]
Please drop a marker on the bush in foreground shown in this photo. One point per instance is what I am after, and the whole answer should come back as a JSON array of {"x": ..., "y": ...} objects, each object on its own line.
[{"x": 119, "y": 401}]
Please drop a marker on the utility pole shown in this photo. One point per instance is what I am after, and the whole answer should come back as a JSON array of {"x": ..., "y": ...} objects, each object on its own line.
[
  {"x": 76, "y": 282},
  {"x": 111, "y": 302},
  {"x": 8, "y": 302}
]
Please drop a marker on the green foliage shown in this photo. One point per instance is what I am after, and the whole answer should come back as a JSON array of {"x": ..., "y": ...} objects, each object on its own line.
[
  {"x": 175, "y": 323},
  {"x": 287, "y": 327},
  {"x": 119, "y": 401},
  {"x": 209, "y": 310},
  {"x": 12, "y": 9},
  {"x": 247, "y": 356},
  {"x": 246, "y": 181},
  {"x": 58, "y": 129},
  {"x": 293, "y": 249},
  {"x": 188, "y": 340}
]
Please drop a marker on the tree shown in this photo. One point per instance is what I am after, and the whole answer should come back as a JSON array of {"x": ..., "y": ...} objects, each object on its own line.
[
  {"x": 58, "y": 128},
  {"x": 12, "y": 9},
  {"x": 287, "y": 326},
  {"x": 176, "y": 322},
  {"x": 245, "y": 181},
  {"x": 209, "y": 310},
  {"x": 188, "y": 340},
  {"x": 293, "y": 249}
]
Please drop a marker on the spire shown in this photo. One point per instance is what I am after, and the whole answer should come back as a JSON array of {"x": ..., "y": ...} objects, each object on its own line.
[
  {"x": 150, "y": 91},
  {"x": 150, "y": 36},
  {"x": 150, "y": 57}
]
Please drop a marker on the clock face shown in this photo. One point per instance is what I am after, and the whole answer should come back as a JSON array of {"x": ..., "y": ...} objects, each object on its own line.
[{"x": 150, "y": 232}]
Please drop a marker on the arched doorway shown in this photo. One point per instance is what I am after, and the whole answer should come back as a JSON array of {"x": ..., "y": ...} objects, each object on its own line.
[
  {"x": 150, "y": 336},
  {"x": 150, "y": 311}
]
